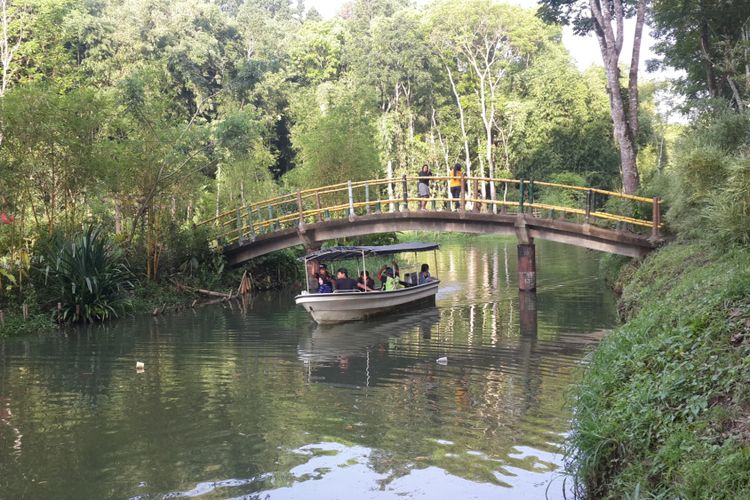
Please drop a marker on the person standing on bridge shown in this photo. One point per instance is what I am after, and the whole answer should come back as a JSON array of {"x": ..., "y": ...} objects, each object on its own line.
[
  {"x": 423, "y": 186},
  {"x": 456, "y": 178}
]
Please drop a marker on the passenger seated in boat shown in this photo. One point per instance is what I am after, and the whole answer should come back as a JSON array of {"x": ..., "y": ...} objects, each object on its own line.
[
  {"x": 391, "y": 282},
  {"x": 424, "y": 274},
  {"x": 365, "y": 283},
  {"x": 344, "y": 282},
  {"x": 382, "y": 275},
  {"x": 325, "y": 284}
]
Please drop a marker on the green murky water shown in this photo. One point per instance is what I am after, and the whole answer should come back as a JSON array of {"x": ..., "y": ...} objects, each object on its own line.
[{"x": 259, "y": 402}]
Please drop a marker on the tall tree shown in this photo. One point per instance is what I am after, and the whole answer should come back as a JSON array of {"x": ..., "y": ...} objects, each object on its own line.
[
  {"x": 607, "y": 19},
  {"x": 10, "y": 40},
  {"x": 709, "y": 40},
  {"x": 484, "y": 44},
  {"x": 334, "y": 135}
]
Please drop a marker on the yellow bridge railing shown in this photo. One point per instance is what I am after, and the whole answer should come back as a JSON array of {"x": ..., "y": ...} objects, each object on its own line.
[{"x": 475, "y": 194}]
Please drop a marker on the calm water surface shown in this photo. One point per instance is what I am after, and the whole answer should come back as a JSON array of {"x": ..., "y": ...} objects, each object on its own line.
[{"x": 259, "y": 402}]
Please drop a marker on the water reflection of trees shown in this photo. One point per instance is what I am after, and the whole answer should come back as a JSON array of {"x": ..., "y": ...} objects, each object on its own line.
[{"x": 230, "y": 393}]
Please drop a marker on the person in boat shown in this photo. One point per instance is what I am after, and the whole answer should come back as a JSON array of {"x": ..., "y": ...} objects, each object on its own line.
[
  {"x": 391, "y": 281},
  {"x": 365, "y": 283},
  {"x": 424, "y": 274},
  {"x": 456, "y": 178},
  {"x": 344, "y": 282},
  {"x": 382, "y": 273},
  {"x": 423, "y": 186},
  {"x": 325, "y": 285}
]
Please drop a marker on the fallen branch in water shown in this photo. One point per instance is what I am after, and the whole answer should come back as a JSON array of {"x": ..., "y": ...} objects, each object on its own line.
[{"x": 210, "y": 293}]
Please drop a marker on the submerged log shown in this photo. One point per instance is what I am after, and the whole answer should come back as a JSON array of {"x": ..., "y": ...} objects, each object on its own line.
[{"x": 211, "y": 293}]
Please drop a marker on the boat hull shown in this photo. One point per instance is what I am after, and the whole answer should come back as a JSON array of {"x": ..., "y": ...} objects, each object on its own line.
[{"x": 339, "y": 307}]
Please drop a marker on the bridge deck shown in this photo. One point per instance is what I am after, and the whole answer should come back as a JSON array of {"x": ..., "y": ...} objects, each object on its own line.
[
  {"x": 522, "y": 226},
  {"x": 484, "y": 206}
]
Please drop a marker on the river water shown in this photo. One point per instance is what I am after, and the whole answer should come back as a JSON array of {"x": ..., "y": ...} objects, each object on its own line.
[{"x": 259, "y": 402}]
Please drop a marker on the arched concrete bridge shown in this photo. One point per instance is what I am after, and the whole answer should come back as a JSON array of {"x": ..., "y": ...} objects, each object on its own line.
[{"x": 484, "y": 206}]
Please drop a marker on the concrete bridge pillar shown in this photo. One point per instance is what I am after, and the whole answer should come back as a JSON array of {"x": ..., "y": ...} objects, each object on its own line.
[
  {"x": 527, "y": 267},
  {"x": 527, "y": 305}
]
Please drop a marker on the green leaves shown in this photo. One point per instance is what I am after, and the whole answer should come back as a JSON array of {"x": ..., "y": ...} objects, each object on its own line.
[
  {"x": 88, "y": 276},
  {"x": 334, "y": 136},
  {"x": 656, "y": 385}
]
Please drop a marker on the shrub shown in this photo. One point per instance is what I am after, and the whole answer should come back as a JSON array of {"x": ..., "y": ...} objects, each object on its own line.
[
  {"x": 87, "y": 275},
  {"x": 661, "y": 407},
  {"x": 729, "y": 211},
  {"x": 564, "y": 197},
  {"x": 709, "y": 179}
]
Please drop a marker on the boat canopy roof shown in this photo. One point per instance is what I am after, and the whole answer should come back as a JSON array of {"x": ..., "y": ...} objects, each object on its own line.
[{"x": 344, "y": 253}]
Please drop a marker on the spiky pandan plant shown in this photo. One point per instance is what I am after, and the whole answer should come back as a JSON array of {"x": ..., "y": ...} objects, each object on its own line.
[{"x": 89, "y": 277}]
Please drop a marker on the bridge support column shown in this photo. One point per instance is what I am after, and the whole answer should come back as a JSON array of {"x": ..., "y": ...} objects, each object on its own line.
[
  {"x": 527, "y": 267},
  {"x": 527, "y": 305}
]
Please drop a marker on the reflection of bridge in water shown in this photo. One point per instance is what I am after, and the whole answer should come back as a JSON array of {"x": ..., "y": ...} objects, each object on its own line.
[{"x": 591, "y": 218}]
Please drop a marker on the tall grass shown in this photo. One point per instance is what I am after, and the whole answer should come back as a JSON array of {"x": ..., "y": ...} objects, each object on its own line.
[
  {"x": 662, "y": 407},
  {"x": 709, "y": 180}
]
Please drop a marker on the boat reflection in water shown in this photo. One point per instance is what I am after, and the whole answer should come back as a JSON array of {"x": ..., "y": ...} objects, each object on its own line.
[{"x": 342, "y": 352}]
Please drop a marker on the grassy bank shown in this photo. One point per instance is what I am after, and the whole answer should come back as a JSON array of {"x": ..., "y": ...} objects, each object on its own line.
[{"x": 663, "y": 410}]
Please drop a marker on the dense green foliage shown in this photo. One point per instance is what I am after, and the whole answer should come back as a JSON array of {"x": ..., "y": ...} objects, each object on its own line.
[
  {"x": 145, "y": 117},
  {"x": 87, "y": 275},
  {"x": 663, "y": 407},
  {"x": 709, "y": 190},
  {"x": 707, "y": 39},
  {"x": 141, "y": 114}
]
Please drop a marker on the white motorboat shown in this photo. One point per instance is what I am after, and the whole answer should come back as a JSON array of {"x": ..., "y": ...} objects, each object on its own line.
[{"x": 341, "y": 306}]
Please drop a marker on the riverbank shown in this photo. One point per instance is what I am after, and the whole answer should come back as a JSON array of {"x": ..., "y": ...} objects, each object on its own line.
[
  {"x": 147, "y": 298},
  {"x": 664, "y": 406},
  {"x": 173, "y": 293}
]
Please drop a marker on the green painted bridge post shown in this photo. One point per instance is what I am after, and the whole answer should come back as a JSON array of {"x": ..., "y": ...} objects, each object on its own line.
[
  {"x": 531, "y": 196},
  {"x": 656, "y": 217},
  {"x": 239, "y": 226},
  {"x": 503, "y": 208},
  {"x": 250, "y": 223},
  {"x": 318, "y": 205},
  {"x": 521, "y": 187},
  {"x": 405, "y": 191},
  {"x": 301, "y": 209}
]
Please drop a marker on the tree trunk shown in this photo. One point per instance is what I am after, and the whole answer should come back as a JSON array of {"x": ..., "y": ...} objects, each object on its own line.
[
  {"x": 482, "y": 184},
  {"x": 444, "y": 149},
  {"x": 462, "y": 122},
  {"x": 709, "y": 65},
  {"x": 6, "y": 49},
  {"x": 611, "y": 45}
]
